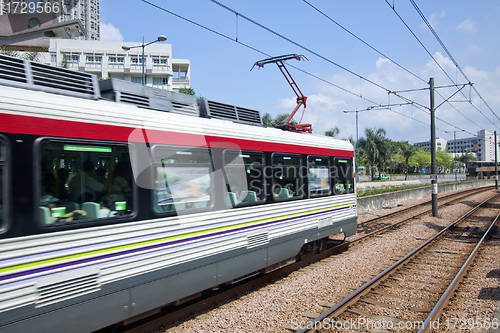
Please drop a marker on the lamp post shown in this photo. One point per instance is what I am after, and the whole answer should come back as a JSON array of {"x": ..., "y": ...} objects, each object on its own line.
[
  {"x": 160, "y": 38},
  {"x": 357, "y": 150},
  {"x": 455, "y": 149}
]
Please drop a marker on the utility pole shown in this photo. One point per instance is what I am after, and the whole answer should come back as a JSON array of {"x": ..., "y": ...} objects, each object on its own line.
[
  {"x": 496, "y": 163},
  {"x": 434, "y": 184}
]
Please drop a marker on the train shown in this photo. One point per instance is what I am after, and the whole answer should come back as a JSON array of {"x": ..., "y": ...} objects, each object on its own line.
[
  {"x": 118, "y": 199},
  {"x": 481, "y": 170}
]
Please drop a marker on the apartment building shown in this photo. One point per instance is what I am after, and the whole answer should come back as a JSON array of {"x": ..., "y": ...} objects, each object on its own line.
[
  {"x": 108, "y": 59},
  {"x": 482, "y": 145},
  {"x": 87, "y": 11}
]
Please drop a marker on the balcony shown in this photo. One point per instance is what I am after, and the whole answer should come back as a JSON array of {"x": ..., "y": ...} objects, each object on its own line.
[{"x": 181, "y": 82}]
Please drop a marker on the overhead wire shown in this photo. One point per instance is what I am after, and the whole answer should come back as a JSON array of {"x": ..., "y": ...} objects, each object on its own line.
[
  {"x": 435, "y": 60},
  {"x": 320, "y": 56},
  {"x": 385, "y": 56},
  {"x": 449, "y": 54},
  {"x": 312, "y": 75},
  {"x": 268, "y": 55}
]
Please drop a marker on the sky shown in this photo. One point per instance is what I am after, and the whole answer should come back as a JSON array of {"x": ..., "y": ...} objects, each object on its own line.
[{"x": 342, "y": 73}]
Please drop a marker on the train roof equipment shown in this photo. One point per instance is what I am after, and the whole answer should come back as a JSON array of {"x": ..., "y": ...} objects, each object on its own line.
[
  {"x": 19, "y": 73},
  {"x": 301, "y": 99}
]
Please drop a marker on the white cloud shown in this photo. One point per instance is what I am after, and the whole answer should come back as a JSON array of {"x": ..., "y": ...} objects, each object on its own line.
[
  {"x": 433, "y": 20},
  {"x": 110, "y": 33},
  {"x": 324, "y": 108},
  {"x": 468, "y": 26}
]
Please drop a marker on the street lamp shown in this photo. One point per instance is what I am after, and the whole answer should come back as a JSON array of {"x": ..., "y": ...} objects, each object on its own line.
[
  {"x": 455, "y": 149},
  {"x": 160, "y": 38},
  {"x": 357, "y": 150}
]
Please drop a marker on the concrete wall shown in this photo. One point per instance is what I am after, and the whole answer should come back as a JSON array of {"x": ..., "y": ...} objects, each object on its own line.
[{"x": 391, "y": 199}]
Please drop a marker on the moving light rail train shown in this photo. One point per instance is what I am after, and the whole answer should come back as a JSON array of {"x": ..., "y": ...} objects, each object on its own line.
[
  {"x": 117, "y": 199},
  {"x": 481, "y": 170}
]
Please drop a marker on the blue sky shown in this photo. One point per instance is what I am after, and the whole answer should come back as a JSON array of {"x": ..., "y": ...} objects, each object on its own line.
[{"x": 220, "y": 67}]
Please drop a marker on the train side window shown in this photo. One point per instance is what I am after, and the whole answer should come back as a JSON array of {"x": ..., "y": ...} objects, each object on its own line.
[
  {"x": 244, "y": 176},
  {"x": 287, "y": 178},
  {"x": 3, "y": 185},
  {"x": 343, "y": 181},
  {"x": 183, "y": 179},
  {"x": 83, "y": 182},
  {"x": 318, "y": 175}
]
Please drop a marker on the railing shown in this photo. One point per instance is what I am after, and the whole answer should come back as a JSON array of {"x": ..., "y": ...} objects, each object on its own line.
[
  {"x": 93, "y": 65},
  {"x": 160, "y": 86},
  {"x": 161, "y": 67},
  {"x": 180, "y": 81}
]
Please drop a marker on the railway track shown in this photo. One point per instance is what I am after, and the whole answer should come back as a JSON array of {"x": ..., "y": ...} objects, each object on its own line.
[
  {"x": 412, "y": 292},
  {"x": 379, "y": 224},
  {"x": 170, "y": 314}
]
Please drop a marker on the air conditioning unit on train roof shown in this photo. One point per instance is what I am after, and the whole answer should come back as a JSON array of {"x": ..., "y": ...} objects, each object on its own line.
[
  {"x": 148, "y": 97},
  {"x": 19, "y": 73},
  {"x": 211, "y": 109}
]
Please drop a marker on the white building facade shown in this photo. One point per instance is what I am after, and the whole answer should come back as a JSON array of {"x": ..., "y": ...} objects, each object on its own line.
[
  {"x": 108, "y": 59},
  {"x": 87, "y": 11},
  {"x": 426, "y": 145},
  {"x": 482, "y": 145}
]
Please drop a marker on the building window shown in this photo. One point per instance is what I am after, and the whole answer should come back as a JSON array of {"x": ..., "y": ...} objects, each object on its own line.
[
  {"x": 160, "y": 81},
  {"x": 115, "y": 61},
  {"x": 160, "y": 63},
  {"x": 53, "y": 57},
  {"x": 71, "y": 59},
  {"x": 93, "y": 60},
  {"x": 118, "y": 77},
  {"x": 136, "y": 79},
  {"x": 136, "y": 62}
]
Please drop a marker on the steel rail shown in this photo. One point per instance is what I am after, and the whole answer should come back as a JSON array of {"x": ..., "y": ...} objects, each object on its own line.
[
  {"x": 481, "y": 189},
  {"x": 374, "y": 282},
  {"x": 443, "y": 301},
  {"x": 390, "y": 226}
]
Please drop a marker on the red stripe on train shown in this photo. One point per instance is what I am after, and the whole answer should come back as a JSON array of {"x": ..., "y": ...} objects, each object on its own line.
[{"x": 73, "y": 129}]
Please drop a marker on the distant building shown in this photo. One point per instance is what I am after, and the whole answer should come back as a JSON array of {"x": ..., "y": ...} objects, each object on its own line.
[
  {"x": 482, "y": 145},
  {"x": 108, "y": 59},
  {"x": 24, "y": 33},
  {"x": 87, "y": 11},
  {"x": 426, "y": 145}
]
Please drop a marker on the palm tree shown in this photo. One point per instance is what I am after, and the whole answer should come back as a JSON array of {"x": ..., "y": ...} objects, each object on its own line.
[
  {"x": 407, "y": 151},
  {"x": 268, "y": 120},
  {"x": 374, "y": 146},
  {"x": 466, "y": 158},
  {"x": 333, "y": 132}
]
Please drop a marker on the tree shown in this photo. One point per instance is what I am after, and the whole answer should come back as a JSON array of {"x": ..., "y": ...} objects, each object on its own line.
[
  {"x": 444, "y": 160},
  {"x": 64, "y": 61},
  {"x": 33, "y": 54},
  {"x": 421, "y": 159},
  {"x": 374, "y": 147},
  {"x": 267, "y": 119},
  {"x": 187, "y": 91},
  {"x": 8, "y": 51},
  {"x": 466, "y": 158},
  {"x": 333, "y": 132},
  {"x": 407, "y": 151}
]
